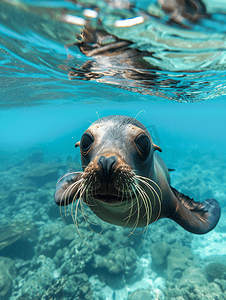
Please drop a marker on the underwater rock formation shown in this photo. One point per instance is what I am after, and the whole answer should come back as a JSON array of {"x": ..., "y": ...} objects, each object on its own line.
[
  {"x": 121, "y": 262},
  {"x": 193, "y": 275},
  {"x": 215, "y": 270},
  {"x": 39, "y": 280},
  {"x": 175, "y": 258},
  {"x": 140, "y": 294},
  {"x": 42, "y": 173},
  {"x": 36, "y": 157},
  {"x": 159, "y": 252},
  {"x": 15, "y": 231},
  {"x": 179, "y": 259},
  {"x": 7, "y": 272},
  {"x": 74, "y": 287},
  {"x": 192, "y": 291}
]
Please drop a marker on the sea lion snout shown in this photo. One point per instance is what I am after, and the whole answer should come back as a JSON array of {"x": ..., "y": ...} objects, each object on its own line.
[
  {"x": 106, "y": 176},
  {"x": 106, "y": 164},
  {"x": 106, "y": 168}
]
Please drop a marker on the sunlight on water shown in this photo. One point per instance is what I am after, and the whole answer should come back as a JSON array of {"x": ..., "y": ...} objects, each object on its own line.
[{"x": 147, "y": 47}]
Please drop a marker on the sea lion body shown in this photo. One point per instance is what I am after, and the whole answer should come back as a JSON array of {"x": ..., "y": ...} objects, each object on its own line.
[{"x": 125, "y": 182}]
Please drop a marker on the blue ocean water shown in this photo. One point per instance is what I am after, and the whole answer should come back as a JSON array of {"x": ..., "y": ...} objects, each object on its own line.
[{"x": 65, "y": 64}]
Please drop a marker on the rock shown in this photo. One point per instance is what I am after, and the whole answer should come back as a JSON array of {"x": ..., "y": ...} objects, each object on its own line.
[
  {"x": 70, "y": 287},
  {"x": 175, "y": 258},
  {"x": 36, "y": 157},
  {"x": 15, "y": 231},
  {"x": 159, "y": 252},
  {"x": 69, "y": 232},
  {"x": 140, "y": 294},
  {"x": 39, "y": 280},
  {"x": 117, "y": 261},
  {"x": 222, "y": 284},
  {"x": 179, "y": 259},
  {"x": 119, "y": 267},
  {"x": 191, "y": 291},
  {"x": 41, "y": 173},
  {"x": 193, "y": 275},
  {"x": 215, "y": 270},
  {"x": 7, "y": 272}
]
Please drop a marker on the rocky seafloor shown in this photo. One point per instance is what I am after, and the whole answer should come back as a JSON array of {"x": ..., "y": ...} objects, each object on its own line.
[{"x": 44, "y": 256}]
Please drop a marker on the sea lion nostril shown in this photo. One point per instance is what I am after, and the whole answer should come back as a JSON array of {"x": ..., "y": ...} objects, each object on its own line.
[{"x": 106, "y": 164}]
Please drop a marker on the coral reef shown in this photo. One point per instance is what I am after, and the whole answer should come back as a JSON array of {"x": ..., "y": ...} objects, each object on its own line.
[
  {"x": 121, "y": 265},
  {"x": 45, "y": 257},
  {"x": 215, "y": 270},
  {"x": 192, "y": 291},
  {"x": 175, "y": 258}
]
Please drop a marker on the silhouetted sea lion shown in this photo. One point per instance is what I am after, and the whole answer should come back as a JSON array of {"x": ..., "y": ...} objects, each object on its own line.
[{"x": 124, "y": 182}]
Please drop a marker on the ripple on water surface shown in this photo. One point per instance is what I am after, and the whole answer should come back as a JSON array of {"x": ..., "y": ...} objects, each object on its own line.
[{"x": 148, "y": 47}]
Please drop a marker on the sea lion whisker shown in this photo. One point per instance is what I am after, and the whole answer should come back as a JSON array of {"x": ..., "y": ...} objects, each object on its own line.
[
  {"x": 80, "y": 191},
  {"x": 86, "y": 201},
  {"x": 77, "y": 225},
  {"x": 130, "y": 212},
  {"x": 152, "y": 181},
  {"x": 140, "y": 113},
  {"x": 64, "y": 195},
  {"x": 135, "y": 191},
  {"x": 67, "y": 174},
  {"x": 152, "y": 189},
  {"x": 88, "y": 222},
  {"x": 143, "y": 195},
  {"x": 124, "y": 189},
  {"x": 74, "y": 200},
  {"x": 153, "y": 192},
  {"x": 137, "y": 218},
  {"x": 160, "y": 205},
  {"x": 68, "y": 189},
  {"x": 130, "y": 186},
  {"x": 146, "y": 201},
  {"x": 75, "y": 195},
  {"x": 146, "y": 231}
]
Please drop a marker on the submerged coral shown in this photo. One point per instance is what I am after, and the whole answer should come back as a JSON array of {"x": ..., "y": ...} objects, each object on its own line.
[
  {"x": 174, "y": 259},
  {"x": 215, "y": 270},
  {"x": 116, "y": 264}
]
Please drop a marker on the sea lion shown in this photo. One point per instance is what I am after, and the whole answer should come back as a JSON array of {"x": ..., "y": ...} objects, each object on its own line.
[{"x": 125, "y": 182}]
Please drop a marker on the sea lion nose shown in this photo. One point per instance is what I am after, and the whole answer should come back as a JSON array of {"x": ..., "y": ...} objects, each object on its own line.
[{"x": 106, "y": 164}]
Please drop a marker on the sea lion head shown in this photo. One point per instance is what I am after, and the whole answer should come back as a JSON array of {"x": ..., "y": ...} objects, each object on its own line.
[
  {"x": 116, "y": 142},
  {"x": 117, "y": 158}
]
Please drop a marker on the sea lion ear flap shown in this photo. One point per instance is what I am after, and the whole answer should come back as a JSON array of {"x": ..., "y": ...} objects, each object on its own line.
[
  {"x": 157, "y": 148},
  {"x": 77, "y": 144}
]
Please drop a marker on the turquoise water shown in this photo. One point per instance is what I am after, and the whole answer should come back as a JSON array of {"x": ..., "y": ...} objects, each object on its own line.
[{"x": 63, "y": 65}]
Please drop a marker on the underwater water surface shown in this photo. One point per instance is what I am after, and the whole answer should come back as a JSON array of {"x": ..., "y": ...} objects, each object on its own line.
[{"x": 65, "y": 64}]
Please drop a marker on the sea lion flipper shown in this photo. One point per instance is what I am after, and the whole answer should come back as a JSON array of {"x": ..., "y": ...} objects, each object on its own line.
[
  {"x": 196, "y": 217},
  {"x": 65, "y": 191}
]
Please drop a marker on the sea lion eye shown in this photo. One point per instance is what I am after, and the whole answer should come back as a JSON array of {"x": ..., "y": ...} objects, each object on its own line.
[
  {"x": 143, "y": 143},
  {"x": 86, "y": 141}
]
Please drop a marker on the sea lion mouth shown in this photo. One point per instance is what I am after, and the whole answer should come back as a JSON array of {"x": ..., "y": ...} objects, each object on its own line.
[
  {"x": 108, "y": 198},
  {"x": 113, "y": 198}
]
